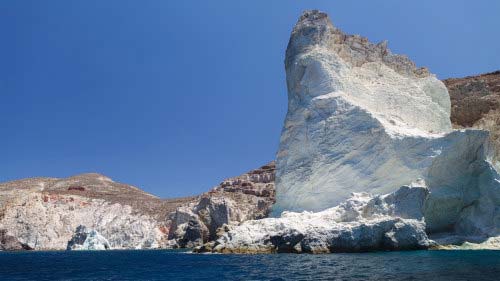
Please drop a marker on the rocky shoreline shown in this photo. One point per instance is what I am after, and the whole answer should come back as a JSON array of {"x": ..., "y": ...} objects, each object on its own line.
[
  {"x": 92, "y": 212},
  {"x": 362, "y": 124},
  {"x": 192, "y": 214}
]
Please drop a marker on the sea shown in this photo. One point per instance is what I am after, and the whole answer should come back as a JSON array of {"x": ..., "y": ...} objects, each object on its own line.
[{"x": 181, "y": 265}]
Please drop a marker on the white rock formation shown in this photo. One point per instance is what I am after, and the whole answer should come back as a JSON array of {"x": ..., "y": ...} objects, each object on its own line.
[
  {"x": 361, "y": 223},
  {"x": 361, "y": 119},
  {"x": 48, "y": 223}
]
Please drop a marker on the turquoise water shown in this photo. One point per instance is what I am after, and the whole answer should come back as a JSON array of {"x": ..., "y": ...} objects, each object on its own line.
[{"x": 175, "y": 265}]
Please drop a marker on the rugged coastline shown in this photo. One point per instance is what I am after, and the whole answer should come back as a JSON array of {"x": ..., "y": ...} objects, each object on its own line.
[
  {"x": 368, "y": 157},
  {"x": 92, "y": 212}
]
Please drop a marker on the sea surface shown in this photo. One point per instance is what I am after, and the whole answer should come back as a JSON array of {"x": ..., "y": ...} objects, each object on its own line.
[{"x": 177, "y": 265}]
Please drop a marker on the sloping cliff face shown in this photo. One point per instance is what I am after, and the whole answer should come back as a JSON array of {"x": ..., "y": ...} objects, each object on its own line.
[
  {"x": 349, "y": 101},
  {"x": 363, "y": 120},
  {"x": 92, "y": 212},
  {"x": 44, "y": 213}
]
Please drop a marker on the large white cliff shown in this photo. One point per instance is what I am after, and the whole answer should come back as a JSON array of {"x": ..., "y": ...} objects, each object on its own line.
[
  {"x": 363, "y": 120},
  {"x": 368, "y": 160}
]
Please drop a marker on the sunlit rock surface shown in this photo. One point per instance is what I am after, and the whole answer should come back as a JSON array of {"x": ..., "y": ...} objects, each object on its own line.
[
  {"x": 43, "y": 213},
  {"x": 55, "y": 213},
  {"x": 360, "y": 119},
  {"x": 363, "y": 120},
  {"x": 361, "y": 223},
  {"x": 245, "y": 197}
]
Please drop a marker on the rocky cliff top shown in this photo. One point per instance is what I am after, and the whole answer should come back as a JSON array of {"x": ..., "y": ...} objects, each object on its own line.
[
  {"x": 314, "y": 28},
  {"x": 94, "y": 186}
]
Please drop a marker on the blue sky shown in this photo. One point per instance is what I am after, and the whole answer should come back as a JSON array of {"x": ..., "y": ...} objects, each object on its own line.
[{"x": 175, "y": 96}]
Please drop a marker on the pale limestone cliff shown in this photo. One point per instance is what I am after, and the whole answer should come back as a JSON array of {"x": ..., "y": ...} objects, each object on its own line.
[
  {"x": 362, "y": 120},
  {"x": 92, "y": 212}
]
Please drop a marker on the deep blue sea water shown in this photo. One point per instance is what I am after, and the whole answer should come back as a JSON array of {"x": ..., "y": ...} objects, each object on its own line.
[{"x": 175, "y": 265}]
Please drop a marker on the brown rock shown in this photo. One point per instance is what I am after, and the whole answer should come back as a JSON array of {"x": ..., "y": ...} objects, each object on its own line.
[{"x": 475, "y": 103}]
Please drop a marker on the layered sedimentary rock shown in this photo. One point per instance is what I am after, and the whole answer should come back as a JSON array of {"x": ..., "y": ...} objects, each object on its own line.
[{"x": 361, "y": 119}]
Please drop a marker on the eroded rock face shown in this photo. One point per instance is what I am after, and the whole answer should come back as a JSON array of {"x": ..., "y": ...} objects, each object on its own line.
[
  {"x": 361, "y": 119},
  {"x": 43, "y": 213},
  {"x": 361, "y": 223},
  {"x": 476, "y": 104},
  {"x": 245, "y": 197},
  {"x": 355, "y": 114},
  {"x": 469, "y": 96}
]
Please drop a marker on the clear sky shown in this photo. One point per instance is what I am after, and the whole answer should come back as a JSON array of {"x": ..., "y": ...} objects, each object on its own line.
[{"x": 175, "y": 96}]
